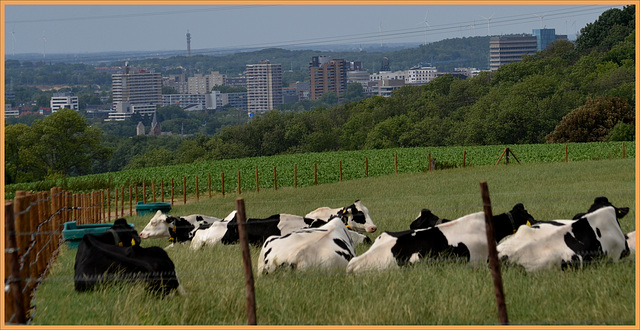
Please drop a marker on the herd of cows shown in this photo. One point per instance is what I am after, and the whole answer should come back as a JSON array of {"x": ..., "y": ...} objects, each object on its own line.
[{"x": 326, "y": 238}]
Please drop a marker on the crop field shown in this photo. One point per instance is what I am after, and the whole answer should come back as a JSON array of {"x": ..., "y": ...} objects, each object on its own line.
[
  {"x": 433, "y": 293},
  {"x": 300, "y": 169}
]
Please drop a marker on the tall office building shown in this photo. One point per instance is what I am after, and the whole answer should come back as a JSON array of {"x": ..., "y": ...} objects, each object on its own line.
[
  {"x": 327, "y": 75},
  {"x": 264, "y": 86},
  {"x": 509, "y": 49},
  {"x": 136, "y": 91},
  {"x": 544, "y": 37}
]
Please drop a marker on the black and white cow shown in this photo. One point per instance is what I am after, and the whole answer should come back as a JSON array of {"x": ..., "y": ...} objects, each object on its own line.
[
  {"x": 99, "y": 259},
  {"x": 600, "y": 202},
  {"x": 464, "y": 238},
  {"x": 358, "y": 218},
  {"x": 328, "y": 246},
  {"x": 561, "y": 243},
  {"x": 161, "y": 224},
  {"x": 426, "y": 219},
  {"x": 631, "y": 242}
]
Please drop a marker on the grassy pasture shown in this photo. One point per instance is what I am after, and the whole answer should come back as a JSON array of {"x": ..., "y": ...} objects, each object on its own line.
[{"x": 445, "y": 293}]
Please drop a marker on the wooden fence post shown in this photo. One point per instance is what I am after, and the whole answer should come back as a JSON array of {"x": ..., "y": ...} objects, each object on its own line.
[
  {"x": 257, "y": 181},
  {"x": 162, "y": 190},
  {"x": 184, "y": 189},
  {"x": 246, "y": 261},
  {"x": 172, "y": 191},
  {"x": 275, "y": 178},
  {"x": 144, "y": 192},
  {"x": 493, "y": 255},
  {"x": 223, "y": 184},
  {"x": 116, "y": 202},
  {"x": 239, "y": 184},
  {"x": 122, "y": 201},
  {"x": 209, "y": 185},
  {"x": 464, "y": 158},
  {"x": 153, "y": 190},
  {"x": 109, "y": 204},
  {"x": 340, "y": 168},
  {"x": 130, "y": 202},
  {"x": 14, "y": 311},
  {"x": 295, "y": 175},
  {"x": 566, "y": 154}
]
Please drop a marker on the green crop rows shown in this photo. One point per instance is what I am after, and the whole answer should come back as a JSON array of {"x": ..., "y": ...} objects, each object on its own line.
[{"x": 380, "y": 162}]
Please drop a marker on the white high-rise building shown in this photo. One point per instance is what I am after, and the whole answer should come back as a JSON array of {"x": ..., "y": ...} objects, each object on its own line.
[
  {"x": 139, "y": 91},
  {"x": 264, "y": 86}
]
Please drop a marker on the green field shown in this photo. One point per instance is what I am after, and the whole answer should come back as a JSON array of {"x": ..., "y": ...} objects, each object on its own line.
[
  {"x": 444, "y": 293},
  {"x": 380, "y": 162}
]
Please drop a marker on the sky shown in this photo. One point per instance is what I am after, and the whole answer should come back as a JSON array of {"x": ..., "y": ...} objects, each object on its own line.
[{"x": 79, "y": 29}]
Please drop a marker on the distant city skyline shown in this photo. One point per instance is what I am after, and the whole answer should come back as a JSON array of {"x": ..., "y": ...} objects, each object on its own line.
[{"x": 79, "y": 29}]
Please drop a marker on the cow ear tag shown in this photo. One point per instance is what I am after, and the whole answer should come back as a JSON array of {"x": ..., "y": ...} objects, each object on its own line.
[
  {"x": 173, "y": 229},
  {"x": 348, "y": 226},
  {"x": 133, "y": 242},
  {"x": 120, "y": 244}
]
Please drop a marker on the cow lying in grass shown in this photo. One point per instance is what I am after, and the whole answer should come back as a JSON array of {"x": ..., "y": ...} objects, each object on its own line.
[
  {"x": 357, "y": 216},
  {"x": 259, "y": 229},
  {"x": 327, "y": 246},
  {"x": 464, "y": 238},
  {"x": 161, "y": 225},
  {"x": 562, "y": 243},
  {"x": 99, "y": 259}
]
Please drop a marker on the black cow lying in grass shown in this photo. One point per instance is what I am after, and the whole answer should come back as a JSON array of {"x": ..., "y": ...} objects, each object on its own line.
[{"x": 100, "y": 259}]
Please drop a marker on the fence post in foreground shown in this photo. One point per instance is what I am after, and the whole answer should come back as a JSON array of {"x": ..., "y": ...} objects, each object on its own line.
[
  {"x": 257, "y": 181},
  {"x": 13, "y": 277},
  {"x": 493, "y": 255},
  {"x": 315, "y": 174},
  {"x": 239, "y": 184},
  {"x": 246, "y": 261},
  {"x": 566, "y": 154}
]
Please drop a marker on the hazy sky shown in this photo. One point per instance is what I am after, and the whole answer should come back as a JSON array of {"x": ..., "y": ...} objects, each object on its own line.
[{"x": 94, "y": 28}]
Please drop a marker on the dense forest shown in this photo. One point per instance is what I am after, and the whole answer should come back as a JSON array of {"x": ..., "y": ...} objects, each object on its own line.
[{"x": 570, "y": 92}]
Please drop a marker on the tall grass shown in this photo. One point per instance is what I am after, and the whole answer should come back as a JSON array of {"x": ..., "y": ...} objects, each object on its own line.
[{"x": 445, "y": 293}]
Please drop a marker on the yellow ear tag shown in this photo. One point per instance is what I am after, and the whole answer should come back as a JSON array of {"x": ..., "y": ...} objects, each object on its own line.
[
  {"x": 348, "y": 226},
  {"x": 173, "y": 229},
  {"x": 120, "y": 244},
  {"x": 171, "y": 239},
  {"x": 133, "y": 242},
  {"x": 528, "y": 223}
]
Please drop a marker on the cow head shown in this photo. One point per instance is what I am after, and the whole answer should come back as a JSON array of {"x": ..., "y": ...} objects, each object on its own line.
[
  {"x": 120, "y": 234},
  {"x": 157, "y": 227},
  {"x": 180, "y": 230},
  {"x": 426, "y": 219},
  {"x": 356, "y": 217},
  {"x": 600, "y": 202},
  {"x": 508, "y": 223}
]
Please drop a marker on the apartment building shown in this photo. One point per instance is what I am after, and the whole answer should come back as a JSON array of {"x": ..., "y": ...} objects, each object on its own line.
[
  {"x": 138, "y": 91},
  {"x": 264, "y": 86},
  {"x": 327, "y": 75}
]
